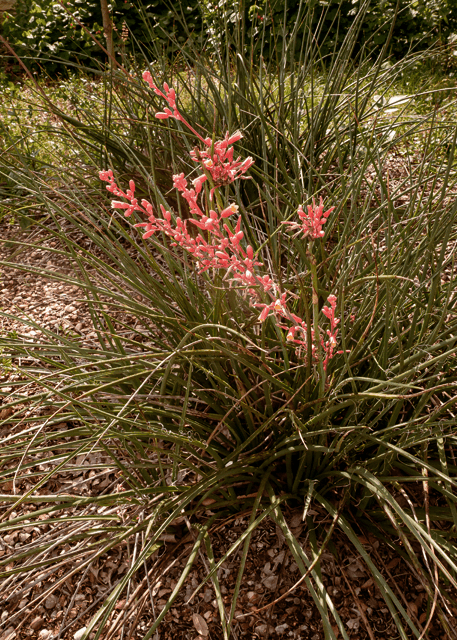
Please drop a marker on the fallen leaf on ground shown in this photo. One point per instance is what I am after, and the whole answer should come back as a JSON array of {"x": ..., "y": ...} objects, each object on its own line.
[{"x": 200, "y": 624}]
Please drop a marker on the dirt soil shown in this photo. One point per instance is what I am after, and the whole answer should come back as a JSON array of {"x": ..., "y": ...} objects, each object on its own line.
[{"x": 273, "y": 602}]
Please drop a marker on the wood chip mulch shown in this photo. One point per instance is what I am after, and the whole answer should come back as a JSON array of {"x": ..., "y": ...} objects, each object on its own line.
[{"x": 38, "y": 611}]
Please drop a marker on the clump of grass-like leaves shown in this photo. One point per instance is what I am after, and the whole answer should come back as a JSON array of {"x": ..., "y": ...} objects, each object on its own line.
[{"x": 198, "y": 403}]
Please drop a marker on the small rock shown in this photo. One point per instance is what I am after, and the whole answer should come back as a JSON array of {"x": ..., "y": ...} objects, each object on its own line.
[
  {"x": 45, "y": 634},
  {"x": 79, "y": 634},
  {"x": 261, "y": 630},
  {"x": 9, "y": 634},
  {"x": 252, "y": 597},
  {"x": 11, "y": 538},
  {"x": 50, "y": 602},
  {"x": 270, "y": 582},
  {"x": 353, "y": 623},
  {"x": 281, "y": 628},
  {"x": 37, "y": 623}
]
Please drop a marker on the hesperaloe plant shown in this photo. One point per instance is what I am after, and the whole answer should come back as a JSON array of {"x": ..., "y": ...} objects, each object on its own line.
[{"x": 202, "y": 404}]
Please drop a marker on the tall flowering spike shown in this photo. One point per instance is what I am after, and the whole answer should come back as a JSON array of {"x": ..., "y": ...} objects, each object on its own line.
[
  {"x": 172, "y": 110},
  {"x": 218, "y": 246}
]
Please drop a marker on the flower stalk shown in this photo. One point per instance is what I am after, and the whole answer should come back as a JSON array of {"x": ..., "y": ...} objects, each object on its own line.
[
  {"x": 315, "y": 305},
  {"x": 220, "y": 245}
]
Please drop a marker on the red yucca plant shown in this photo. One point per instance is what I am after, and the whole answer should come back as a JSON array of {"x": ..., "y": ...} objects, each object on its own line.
[{"x": 241, "y": 367}]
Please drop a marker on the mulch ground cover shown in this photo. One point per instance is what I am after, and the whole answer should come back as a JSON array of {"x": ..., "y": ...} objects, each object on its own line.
[{"x": 273, "y": 602}]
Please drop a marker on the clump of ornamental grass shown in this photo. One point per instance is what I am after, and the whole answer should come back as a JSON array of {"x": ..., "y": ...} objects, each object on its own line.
[{"x": 255, "y": 349}]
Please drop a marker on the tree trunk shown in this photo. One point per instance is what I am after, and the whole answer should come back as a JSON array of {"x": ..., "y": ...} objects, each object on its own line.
[{"x": 108, "y": 29}]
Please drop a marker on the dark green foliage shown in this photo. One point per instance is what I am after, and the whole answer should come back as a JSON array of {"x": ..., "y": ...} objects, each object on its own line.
[
  {"x": 416, "y": 24},
  {"x": 53, "y": 33}
]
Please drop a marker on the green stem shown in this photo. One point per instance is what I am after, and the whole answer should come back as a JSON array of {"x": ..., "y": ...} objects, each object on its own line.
[
  {"x": 317, "y": 335},
  {"x": 219, "y": 200}
]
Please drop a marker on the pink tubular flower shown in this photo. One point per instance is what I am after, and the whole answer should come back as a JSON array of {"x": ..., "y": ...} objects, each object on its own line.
[
  {"x": 198, "y": 183},
  {"x": 229, "y": 211},
  {"x": 312, "y": 220},
  {"x": 234, "y": 137},
  {"x": 276, "y": 307},
  {"x": 163, "y": 115}
]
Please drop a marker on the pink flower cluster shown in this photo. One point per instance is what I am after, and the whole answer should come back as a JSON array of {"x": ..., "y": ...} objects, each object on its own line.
[
  {"x": 218, "y": 245},
  {"x": 312, "y": 220},
  {"x": 297, "y": 333},
  {"x": 217, "y": 160},
  {"x": 220, "y": 250},
  {"x": 129, "y": 195}
]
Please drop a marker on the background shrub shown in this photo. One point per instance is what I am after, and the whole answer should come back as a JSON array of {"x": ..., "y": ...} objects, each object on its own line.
[
  {"x": 51, "y": 33},
  {"x": 417, "y": 24}
]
